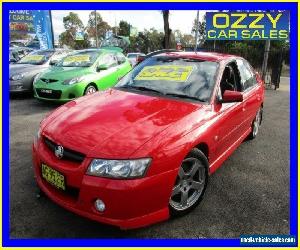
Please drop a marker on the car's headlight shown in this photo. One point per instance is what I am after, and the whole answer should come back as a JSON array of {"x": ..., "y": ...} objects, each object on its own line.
[
  {"x": 17, "y": 77},
  {"x": 119, "y": 169},
  {"x": 73, "y": 80}
]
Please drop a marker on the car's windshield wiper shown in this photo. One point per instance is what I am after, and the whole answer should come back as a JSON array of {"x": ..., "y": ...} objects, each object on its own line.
[
  {"x": 185, "y": 96},
  {"x": 142, "y": 88}
]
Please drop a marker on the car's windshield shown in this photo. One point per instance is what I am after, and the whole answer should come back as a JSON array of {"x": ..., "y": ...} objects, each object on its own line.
[
  {"x": 37, "y": 57},
  {"x": 173, "y": 76},
  {"x": 79, "y": 59}
]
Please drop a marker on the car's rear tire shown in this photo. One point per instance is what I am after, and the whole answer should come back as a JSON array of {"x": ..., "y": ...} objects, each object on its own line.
[
  {"x": 256, "y": 124},
  {"x": 90, "y": 89},
  {"x": 190, "y": 183}
]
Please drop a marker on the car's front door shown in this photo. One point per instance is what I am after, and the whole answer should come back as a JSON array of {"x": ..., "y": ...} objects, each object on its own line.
[{"x": 229, "y": 115}]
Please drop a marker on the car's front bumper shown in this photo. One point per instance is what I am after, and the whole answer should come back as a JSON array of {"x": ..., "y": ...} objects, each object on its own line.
[
  {"x": 59, "y": 93},
  {"x": 18, "y": 87},
  {"x": 129, "y": 203}
]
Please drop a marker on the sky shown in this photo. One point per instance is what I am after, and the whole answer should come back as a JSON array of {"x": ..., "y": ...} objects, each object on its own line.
[{"x": 141, "y": 19}]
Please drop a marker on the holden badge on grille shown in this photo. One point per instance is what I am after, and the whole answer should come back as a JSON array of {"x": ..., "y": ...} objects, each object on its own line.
[{"x": 59, "y": 151}]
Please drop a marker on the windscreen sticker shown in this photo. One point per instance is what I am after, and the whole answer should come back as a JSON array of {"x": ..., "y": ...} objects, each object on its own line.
[
  {"x": 174, "y": 73},
  {"x": 34, "y": 58},
  {"x": 77, "y": 58}
]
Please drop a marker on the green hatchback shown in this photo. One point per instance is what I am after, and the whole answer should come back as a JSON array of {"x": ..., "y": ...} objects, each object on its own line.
[{"x": 81, "y": 73}]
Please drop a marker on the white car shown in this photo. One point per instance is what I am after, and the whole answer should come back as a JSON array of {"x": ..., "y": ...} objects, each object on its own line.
[{"x": 132, "y": 57}]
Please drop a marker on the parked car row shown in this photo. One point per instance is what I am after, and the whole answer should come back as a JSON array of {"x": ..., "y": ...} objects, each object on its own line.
[{"x": 62, "y": 75}]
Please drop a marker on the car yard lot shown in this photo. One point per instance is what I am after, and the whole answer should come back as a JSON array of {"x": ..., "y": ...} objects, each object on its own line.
[{"x": 249, "y": 194}]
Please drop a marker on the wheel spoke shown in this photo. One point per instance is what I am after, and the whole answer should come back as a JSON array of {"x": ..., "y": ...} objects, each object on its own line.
[
  {"x": 176, "y": 190},
  {"x": 184, "y": 198},
  {"x": 196, "y": 185},
  {"x": 181, "y": 173},
  {"x": 194, "y": 169}
]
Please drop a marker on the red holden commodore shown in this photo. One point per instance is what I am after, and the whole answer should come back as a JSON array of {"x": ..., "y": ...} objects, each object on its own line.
[{"x": 137, "y": 153}]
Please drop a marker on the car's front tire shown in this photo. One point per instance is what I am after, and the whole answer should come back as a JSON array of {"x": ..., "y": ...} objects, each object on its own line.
[
  {"x": 190, "y": 183},
  {"x": 90, "y": 89}
]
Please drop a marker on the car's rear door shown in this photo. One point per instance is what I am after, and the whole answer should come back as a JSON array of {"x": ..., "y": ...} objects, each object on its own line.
[
  {"x": 108, "y": 77},
  {"x": 123, "y": 65},
  {"x": 251, "y": 96}
]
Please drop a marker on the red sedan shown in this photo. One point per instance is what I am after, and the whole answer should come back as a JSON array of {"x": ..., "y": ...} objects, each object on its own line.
[{"x": 137, "y": 153}]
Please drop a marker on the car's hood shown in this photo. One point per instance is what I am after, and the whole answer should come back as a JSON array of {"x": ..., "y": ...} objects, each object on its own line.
[
  {"x": 23, "y": 68},
  {"x": 63, "y": 73},
  {"x": 113, "y": 123}
]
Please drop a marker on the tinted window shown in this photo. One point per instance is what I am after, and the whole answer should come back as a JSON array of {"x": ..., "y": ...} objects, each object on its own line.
[
  {"x": 247, "y": 77},
  {"x": 109, "y": 60},
  {"x": 173, "y": 75},
  {"x": 121, "y": 58}
]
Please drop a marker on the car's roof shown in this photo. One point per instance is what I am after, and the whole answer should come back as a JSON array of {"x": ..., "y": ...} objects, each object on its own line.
[{"x": 206, "y": 56}]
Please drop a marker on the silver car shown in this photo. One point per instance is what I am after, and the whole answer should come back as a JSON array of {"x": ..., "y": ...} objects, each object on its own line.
[{"x": 22, "y": 73}]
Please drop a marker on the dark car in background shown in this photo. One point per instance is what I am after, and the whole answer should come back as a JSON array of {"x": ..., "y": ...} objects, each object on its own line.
[{"x": 22, "y": 73}]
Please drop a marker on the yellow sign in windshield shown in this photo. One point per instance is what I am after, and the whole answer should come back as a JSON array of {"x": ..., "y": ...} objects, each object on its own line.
[
  {"x": 174, "y": 73},
  {"x": 77, "y": 58},
  {"x": 33, "y": 58}
]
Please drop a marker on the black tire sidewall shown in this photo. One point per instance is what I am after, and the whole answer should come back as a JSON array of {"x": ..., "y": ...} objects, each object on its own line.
[{"x": 251, "y": 135}]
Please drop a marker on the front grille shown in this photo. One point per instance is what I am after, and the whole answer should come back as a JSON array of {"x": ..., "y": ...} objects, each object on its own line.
[
  {"x": 49, "y": 93},
  {"x": 49, "y": 80},
  {"x": 68, "y": 153}
]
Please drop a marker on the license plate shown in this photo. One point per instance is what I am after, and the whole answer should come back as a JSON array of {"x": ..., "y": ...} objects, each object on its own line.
[
  {"x": 53, "y": 177},
  {"x": 47, "y": 91}
]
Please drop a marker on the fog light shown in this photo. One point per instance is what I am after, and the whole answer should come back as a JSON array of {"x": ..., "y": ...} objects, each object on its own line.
[{"x": 99, "y": 205}]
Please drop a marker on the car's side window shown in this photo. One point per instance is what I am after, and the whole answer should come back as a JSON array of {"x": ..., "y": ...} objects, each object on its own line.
[
  {"x": 247, "y": 77},
  {"x": 109, "y": 60},
  {"x": 120, "y": 58},
  {"x": 230, "y": 78}
]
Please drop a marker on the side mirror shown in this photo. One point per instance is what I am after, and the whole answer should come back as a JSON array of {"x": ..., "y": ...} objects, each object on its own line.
[
  {"x": 101, "y": 67},
  {"x": 12, "y": 60},
  {"x": 232, "y": 96},
  {"x": 53, "y": 62}
]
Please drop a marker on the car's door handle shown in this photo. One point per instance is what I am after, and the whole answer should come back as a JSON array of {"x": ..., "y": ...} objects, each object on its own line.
[{"x": 244, "y": 107}]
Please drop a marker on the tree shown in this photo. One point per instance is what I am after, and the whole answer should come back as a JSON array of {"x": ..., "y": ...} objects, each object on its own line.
[
  {"x": 73, "y": 24},
  {"x": 124, "y": 28},
  {"x": 102, "y": 26},
  {"x": 167, "y": 29},
  {"x": 202, "y": 30}
]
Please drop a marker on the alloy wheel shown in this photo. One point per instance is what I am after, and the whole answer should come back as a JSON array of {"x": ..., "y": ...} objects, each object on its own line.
[
  {"x": 190, "y": 184},
  {"x": 90, "y": 90}
]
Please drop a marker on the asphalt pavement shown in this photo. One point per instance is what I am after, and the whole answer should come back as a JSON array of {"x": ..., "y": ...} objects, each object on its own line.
[{"x": 249, "y": 194}]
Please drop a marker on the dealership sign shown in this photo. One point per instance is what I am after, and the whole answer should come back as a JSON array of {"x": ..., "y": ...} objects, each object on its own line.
[
  {"x": 247, "y": 25},
  {"x": 43, "y": 30},
  {"x": 21, "y": 21}
]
